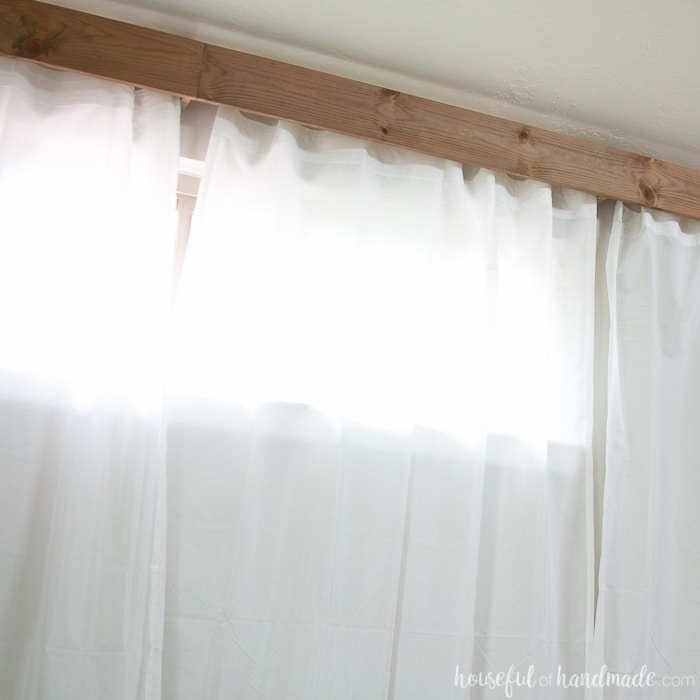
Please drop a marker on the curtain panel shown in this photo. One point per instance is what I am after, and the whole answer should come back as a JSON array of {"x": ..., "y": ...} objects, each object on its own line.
[
  {"x": 87, "y": 171},
  {"x": 649, "y": 603},
  {"x": 411, "y": 413},
  {"x": 424, "y": 430}
]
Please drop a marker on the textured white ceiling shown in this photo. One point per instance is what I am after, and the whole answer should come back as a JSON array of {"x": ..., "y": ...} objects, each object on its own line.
[{"x": 623, "y": 72}]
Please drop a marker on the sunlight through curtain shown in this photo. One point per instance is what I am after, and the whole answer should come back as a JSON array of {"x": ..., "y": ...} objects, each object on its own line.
[
  {"x": 87, "y": 171},
  {"x": 411, "y": 431},
  {"x": 379, "y": 448}
]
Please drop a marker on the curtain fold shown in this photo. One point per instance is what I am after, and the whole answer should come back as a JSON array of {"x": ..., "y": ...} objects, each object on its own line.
[
  {"x": 87, "y": 171},
  {"x": 393, "y": 482}
]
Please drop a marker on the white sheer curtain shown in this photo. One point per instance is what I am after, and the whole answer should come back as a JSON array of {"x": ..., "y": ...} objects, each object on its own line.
[
  {"x": 378, "y": 429},
  {"x": 385, "y": 479},
  {"x": 87, "y": 173},
  {"x": 649, "y": 603}
]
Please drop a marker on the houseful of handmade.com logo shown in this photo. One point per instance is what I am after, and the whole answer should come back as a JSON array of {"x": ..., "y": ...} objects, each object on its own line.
[{"x": 510, "y": 680}]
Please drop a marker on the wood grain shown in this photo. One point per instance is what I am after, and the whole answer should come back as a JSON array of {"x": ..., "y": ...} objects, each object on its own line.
[
  {"x": 81, "y": 42},
  {"x": 102, "y": 47}
]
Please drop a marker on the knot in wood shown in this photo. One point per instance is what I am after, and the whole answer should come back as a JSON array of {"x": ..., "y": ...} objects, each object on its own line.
[
  {"x": 31, "y": 47},
  {"x": 648, "y": 194},
  {"x": 391, "y": 95}
]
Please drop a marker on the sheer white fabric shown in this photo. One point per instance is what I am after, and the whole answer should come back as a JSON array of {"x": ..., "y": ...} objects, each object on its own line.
[
  {"x": 384, "y": 480},
  {"x": 87, "y": 172},
  {"x": 649, "y": 602},
  {"x": 379, "y": 422}
]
